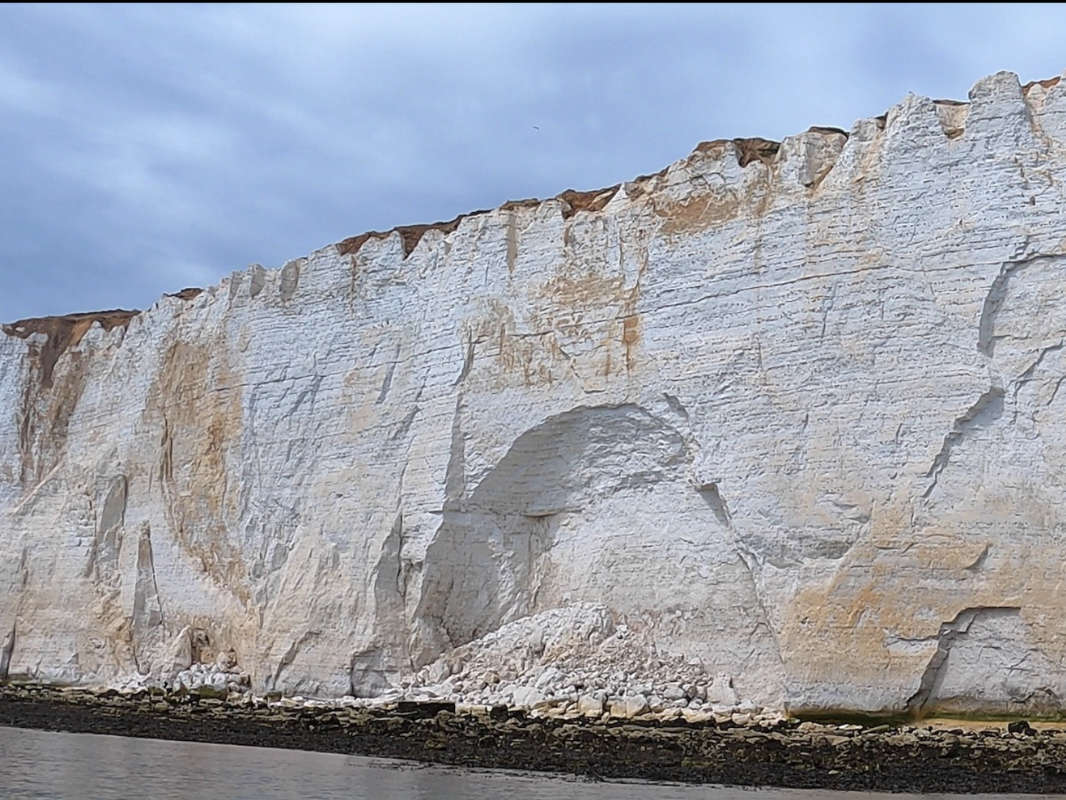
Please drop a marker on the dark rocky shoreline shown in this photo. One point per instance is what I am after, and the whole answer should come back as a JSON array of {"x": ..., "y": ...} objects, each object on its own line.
[{"x": 788, "y": 754}]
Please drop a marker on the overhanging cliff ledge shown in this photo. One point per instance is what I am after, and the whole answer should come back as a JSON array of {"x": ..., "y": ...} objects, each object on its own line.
[{"x": 777, "y": 426}]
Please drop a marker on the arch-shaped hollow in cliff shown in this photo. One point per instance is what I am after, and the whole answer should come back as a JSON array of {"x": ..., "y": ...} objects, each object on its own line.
[{"x": 553, "y": 523}]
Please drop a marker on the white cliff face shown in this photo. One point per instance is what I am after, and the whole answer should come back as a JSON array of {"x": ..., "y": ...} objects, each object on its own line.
[{"x": 789, "y": 414}]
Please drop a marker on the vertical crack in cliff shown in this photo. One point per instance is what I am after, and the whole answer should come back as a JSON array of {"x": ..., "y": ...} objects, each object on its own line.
[
  {"x": 289, "y": 656},
  {"x": 512, "y": 243},
  {"x": 386, "y": 384},
  {"x": 935, "y": 671},
  {"x": 1027, "y": 375},
  {"x": 103, "y": 558},
  {"x": 405, "y": 425},
  {"x": 455, "y": 472},
  {"x": 27, "y": 424},
  {"x": 309, "y": 392},
  {"x": 714, "y": 500},
  {"x": 989, "y": 406},
  {"x": 147, "y": 627},
  {"x": 993, "y": 301},
  {"x": 36, "y": 489},
  {"x": 827, "y": 307},
  {"x": 396, "y": 533},
  {"x": 468, "y": 361},
  {"x": 987, "y": 409},
  {"x": 290, "y": 279},
  {"x": 166, "y": 454},
  {"x": 7, "y": 649},
  {"x": 437, "y": 584},
  {"x": 713, "y": 497},
  {"x": 24, "y": 568},
  {"x": 147, "y": 602},
  {"x": 571, "y": 363},
  {"x": 676, "y": 406},
  {"x": 997, "y": 293},
  {"x": 978, "y": 563}
]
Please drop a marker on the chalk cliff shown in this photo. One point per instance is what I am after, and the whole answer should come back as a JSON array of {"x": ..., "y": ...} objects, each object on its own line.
[{"x": 787, "y": 413}]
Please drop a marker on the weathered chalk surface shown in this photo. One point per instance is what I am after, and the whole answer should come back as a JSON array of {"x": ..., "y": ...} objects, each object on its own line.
[{"x": 777, "y": 426}]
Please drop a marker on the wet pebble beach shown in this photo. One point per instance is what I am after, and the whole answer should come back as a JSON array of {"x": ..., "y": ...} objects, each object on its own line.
[{"x": 992, "y": 757}]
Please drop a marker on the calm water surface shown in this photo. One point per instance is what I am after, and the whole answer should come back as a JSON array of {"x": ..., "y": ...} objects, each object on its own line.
[{"x": 35, "y": 765}]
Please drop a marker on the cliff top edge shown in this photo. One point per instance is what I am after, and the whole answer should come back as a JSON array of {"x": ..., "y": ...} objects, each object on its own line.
[{"x": 68, "y": 329}]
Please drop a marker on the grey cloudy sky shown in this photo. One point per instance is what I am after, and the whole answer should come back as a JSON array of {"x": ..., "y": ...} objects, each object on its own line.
[{"x": 149, "y": 148}]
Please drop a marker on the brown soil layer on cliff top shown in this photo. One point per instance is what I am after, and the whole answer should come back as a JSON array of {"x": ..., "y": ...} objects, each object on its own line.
[
  {"x": 188, "y": 293},
  {"x": 788, "y": 754},
  {"x": 747, "y": 150},
  {"x": 595, "y": 200},
  {"x": 410, "y": 234},
  {"x": 63, "y": 332},
  {"x": 1047, "y": 83}
]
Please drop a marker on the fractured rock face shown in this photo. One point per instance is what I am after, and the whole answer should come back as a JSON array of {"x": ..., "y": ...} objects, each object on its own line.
[{"x": 786, "y": 414}]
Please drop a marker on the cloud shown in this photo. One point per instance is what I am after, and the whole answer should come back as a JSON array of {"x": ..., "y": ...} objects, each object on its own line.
[{"x": 154, "y": 147}]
